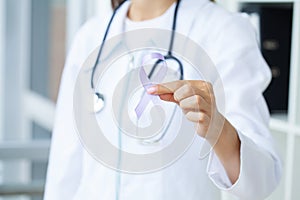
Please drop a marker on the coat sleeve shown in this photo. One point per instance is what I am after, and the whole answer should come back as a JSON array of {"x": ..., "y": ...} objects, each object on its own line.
[
  {"x": 66, "y": 152},
  {"x": 245, "y": 75}
]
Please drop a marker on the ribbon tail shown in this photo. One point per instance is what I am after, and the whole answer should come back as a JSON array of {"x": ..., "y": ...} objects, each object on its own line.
[{"x": 146, "y": 82}]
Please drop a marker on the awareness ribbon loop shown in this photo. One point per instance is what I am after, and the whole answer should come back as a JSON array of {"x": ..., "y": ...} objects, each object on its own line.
[{"x": 147, "y": 83}]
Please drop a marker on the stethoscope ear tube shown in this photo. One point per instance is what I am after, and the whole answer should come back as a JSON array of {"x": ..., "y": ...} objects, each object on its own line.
[
  {"x": 103, "y": 42},
  {"x": 99, "y": 101}
]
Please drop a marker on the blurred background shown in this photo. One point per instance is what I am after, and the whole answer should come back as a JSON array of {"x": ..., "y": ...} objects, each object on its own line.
[{"x": 34, "y": 38}]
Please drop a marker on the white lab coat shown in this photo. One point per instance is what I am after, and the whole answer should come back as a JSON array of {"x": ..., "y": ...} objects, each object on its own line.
[{"x": 230, "y": 41}]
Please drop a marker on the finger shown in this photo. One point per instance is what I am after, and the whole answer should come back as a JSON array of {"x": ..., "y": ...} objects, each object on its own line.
[
  {"x": 188, "y": 90},
  {"x": 184, "y": 92},
  {"x": 167, "y": 97},
  {"x": 204, "y": 89},
  {"x": 199, "y": 87},
  {"x": 165, "y": 88},
  {"x": 195, "y": 103},
  {"x": 201, "y": 130},
  {"x": 198, "y": 117}
]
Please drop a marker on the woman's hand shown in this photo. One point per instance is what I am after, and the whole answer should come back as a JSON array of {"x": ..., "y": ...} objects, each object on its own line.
[{"x": 197, "y": 100}]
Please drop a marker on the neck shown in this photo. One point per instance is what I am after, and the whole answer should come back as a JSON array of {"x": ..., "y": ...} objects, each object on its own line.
[{"x": 140, "y": 10}]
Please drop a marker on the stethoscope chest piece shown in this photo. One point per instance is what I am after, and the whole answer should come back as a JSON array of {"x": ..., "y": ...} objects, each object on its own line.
[{"x": 98, "y": 102}]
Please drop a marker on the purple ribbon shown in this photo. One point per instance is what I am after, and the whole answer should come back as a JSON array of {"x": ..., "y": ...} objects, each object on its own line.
[{"x": 147, "y": 83}]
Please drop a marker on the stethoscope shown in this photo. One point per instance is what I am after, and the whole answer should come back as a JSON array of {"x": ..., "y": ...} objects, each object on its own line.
[{"x": 99, "y": 99}]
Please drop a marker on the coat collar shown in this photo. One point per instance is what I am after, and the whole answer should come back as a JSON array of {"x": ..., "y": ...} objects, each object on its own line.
[{"x": 187, "y": 15}]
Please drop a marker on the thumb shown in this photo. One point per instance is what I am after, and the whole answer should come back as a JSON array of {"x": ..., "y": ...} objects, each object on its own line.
[{"x": 168, "y": 97}]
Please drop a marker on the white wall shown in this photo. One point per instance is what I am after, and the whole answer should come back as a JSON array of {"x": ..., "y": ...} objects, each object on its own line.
[
  {"x": 2, "y": 25},
  {"x": 79, "y": 11},
  {"x": 2, "y": 33}
]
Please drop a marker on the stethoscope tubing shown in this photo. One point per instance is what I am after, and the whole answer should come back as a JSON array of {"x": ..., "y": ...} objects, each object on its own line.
[{"x": 168, "y": 56}]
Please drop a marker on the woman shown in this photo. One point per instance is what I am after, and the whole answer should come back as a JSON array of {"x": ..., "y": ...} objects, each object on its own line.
[{"x": 243, "y": 161}]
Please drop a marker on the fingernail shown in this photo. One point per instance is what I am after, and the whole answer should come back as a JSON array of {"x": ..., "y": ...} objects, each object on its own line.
[{"x": 151, "y": 90}]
